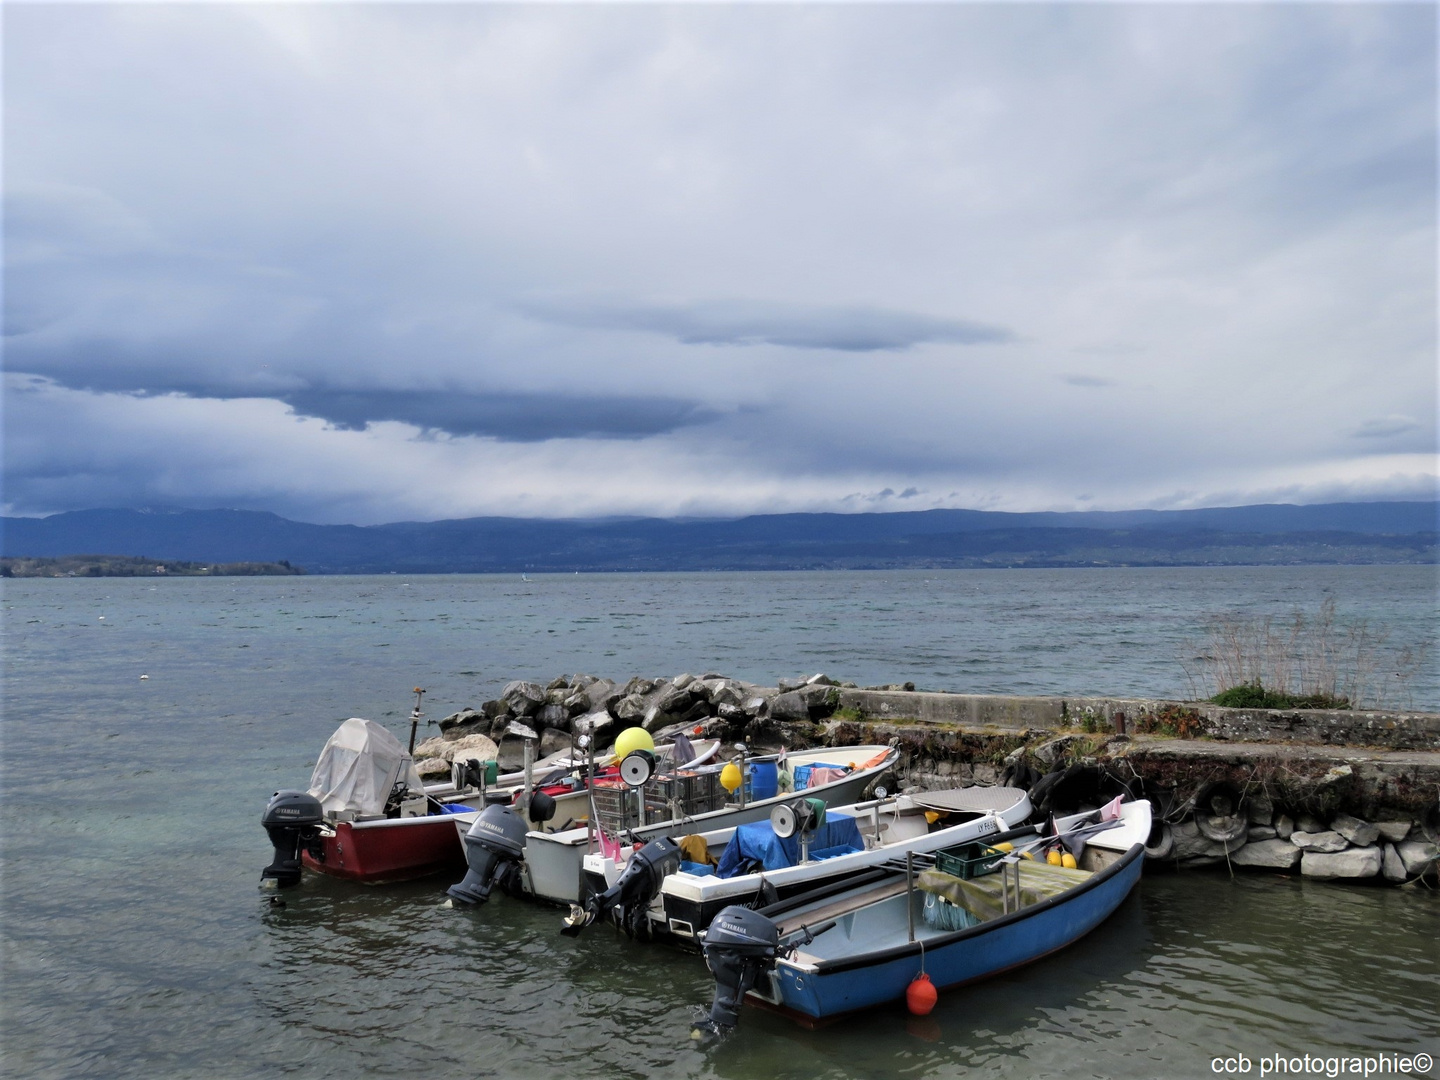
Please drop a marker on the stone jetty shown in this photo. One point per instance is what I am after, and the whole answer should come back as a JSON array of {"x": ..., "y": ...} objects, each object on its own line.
[{"x": 1330, "y": 795}]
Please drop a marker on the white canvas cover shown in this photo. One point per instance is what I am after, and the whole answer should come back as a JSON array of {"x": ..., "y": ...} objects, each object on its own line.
[{"x": 361, "y": 762}]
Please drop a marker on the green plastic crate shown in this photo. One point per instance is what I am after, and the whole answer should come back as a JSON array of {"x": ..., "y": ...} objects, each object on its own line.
[{"x": 968, "y": 860}]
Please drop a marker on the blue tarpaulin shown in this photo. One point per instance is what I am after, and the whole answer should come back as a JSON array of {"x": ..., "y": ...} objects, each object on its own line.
[{"x": 756, "y": 844}]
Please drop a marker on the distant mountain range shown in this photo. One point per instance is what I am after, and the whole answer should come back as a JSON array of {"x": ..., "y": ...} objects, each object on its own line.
[{"x": 1387, "y": 532}]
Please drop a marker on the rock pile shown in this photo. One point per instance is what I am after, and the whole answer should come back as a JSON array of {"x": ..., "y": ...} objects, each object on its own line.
[{"x": 575, "y": 704}]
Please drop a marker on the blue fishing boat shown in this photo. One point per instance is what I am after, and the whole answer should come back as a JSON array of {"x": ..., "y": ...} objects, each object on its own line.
[{"x": 973, "y": 914}]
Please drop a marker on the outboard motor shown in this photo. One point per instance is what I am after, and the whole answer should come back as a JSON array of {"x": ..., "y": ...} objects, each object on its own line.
[
  {"x": 740, "y": 946},
  {"x": 293, "y": 820},
  {"x": 494, "y": 847},
  {"x": 632, "y": 891}
]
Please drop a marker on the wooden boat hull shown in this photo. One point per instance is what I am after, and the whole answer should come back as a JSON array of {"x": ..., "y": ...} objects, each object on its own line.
[{"x": 828, "y": 989}]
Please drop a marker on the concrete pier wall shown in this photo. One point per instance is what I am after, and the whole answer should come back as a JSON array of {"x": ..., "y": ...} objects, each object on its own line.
[{"x": 1316, "y": 727}]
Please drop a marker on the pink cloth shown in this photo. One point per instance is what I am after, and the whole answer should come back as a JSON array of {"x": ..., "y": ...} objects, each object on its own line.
[
  {"x": 1111, "y": 810},
  {"x": 820, "y": 776}
]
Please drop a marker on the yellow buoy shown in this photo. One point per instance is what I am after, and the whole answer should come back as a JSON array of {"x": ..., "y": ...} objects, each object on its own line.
[
  {"x": 1068, "y": 861},
  {"x": 730, "y": 776},
  {"x": 1007, "y": 846},
  {"x": 631, "y": 739},
  {"x": 1053, "y": 858}
]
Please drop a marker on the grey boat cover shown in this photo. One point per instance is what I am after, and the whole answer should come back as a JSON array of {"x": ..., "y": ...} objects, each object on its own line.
[
  {"x": 361, "y": 762},
  {"x": 975, "y": 799}
]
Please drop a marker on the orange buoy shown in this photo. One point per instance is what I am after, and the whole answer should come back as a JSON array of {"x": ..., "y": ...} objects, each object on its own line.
[{"x": 921, "y": 995}]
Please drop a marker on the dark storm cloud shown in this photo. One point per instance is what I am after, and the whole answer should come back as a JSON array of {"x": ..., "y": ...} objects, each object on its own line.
[
  {"x": 741, "y": 322},
  {"x": 509, "y": 416}
]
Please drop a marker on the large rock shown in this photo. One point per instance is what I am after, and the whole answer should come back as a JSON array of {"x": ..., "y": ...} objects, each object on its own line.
[
  {"x": 1268, "y": 855},
  {"x": 432, "y": 768},
  {"x": 462, "y": 721},
  {"x": 1284, "y": 827},
  {"x": 1351, "y": 863},
  {"x": 523, "y": 698},
  {"x": 554, "y": 716},
  {"x": 1392, "y": 866},
  {"x": 1393, "y": 831},
  {"x": 471, "y": 746},
  {"x": 1260, "y": 810},
  {"x": 820, "y": 680},
  {"x": 577, "y": 704},
  {"x": 755, "y": 705},
  {"x": 1360, "y": 833},
  {"x": 511, "y": 753},
  {"x": 1190, "y": 843},
  {"x": 787, "y": 686},
  {"x": 1417, "y": 855},
  {"x": 552, "y": 741},
  {"x": 630, "y": 710},
  {"x": 789, "y": 706},
  {"x": 1262, "y": 833},
  {"x": 599, "y": 693},
  {"x": 1309, "y": 823},
  {"x": 477, "y": 747},
  {"x": 1322, "y": 843},
  {"x": 680, "y": 682},
  {"x": 726, "y": 692},
  {"x": 495, "y": 709}
]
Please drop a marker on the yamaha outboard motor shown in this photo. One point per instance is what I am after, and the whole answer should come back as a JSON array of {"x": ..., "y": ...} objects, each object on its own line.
[
  {"x": 494, "y": 847},
  {"x": 740, "y": 946},
  {"x": 293, "y": 820},
  {"x": 632, "y": 891}
]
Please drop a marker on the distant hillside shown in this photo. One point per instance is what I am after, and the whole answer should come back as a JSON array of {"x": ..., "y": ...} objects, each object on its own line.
[
  {"x": 135, "y": 566},
  {"x": 1393, "y": 532}
]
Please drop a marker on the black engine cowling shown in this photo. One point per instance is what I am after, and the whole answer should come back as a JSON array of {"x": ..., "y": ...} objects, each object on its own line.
[
  {"x": 494, "y": 849},
  {"x": 740, "y": 946},
  {"x": 293, "y": 820},
  {"x": 632, "y": 892}
]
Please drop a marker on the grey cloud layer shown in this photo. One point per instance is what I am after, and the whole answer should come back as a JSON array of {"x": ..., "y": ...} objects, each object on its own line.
[
  {"x": 740, "y": 322},
  {"x": 974, "y": 252}
]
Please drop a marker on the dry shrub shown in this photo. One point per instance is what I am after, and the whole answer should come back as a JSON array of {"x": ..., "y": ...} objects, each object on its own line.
[{"x": 1304, "y": 657}]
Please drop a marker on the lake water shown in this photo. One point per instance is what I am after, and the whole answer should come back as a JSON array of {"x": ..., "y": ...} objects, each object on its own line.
[{"x": 136, "y": 942}]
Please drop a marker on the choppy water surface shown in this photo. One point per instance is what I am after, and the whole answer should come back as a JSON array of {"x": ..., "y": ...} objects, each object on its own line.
[{"x": 137, "y": 944}]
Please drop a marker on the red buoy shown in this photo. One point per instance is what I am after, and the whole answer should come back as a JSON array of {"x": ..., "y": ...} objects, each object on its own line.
[{"x": 920, "y": 995}]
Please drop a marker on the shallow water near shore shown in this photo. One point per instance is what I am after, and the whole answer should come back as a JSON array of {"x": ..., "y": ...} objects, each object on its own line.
[{"x": 138, "y": 944}]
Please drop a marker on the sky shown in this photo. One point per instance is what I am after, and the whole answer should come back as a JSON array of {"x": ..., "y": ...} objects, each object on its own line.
[{"x": 376, "y": 262}]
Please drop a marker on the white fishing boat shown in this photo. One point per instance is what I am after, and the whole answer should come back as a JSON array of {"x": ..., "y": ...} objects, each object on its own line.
[
  {"x": 549, "y": 865},
  {"x": 796, "y": 848}
]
